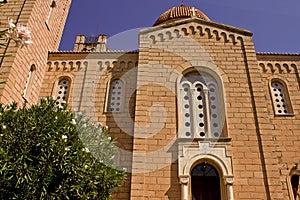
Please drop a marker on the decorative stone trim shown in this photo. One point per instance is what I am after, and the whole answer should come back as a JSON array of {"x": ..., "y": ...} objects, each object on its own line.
[
  {"x": 203, "y": 31},
  {"x": 191, "y": 154},
  {"x": 277, "y": 67}
]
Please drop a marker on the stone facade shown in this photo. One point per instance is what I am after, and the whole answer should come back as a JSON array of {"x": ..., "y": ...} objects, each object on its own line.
[{"x": 254, "y": 142}]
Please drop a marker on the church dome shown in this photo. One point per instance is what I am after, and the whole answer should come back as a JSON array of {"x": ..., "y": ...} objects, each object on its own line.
[{"x": 178, "y": 13}]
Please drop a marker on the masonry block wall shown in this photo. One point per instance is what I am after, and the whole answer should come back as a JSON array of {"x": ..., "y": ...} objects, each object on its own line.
[
  {"x": 285, "y": 128},
  {"x": 46, "y": 34},
  {"x": 165, "y": 53},
  {"x": 259, "y": 144},
  {"x": 90, "y": 75}
]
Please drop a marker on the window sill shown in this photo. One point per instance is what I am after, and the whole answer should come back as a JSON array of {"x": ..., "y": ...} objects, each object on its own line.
[
  {"x": 284, "y": 115},
  {"x": 205, "y": 139}
]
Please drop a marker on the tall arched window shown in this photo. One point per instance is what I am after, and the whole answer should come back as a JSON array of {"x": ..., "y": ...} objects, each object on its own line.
[
  {"x": 295, "y": 186},
  {"x": 52, "y": 6},
  {"x": 63, "y": 89},
  {"x": 201, "y": 106},
  {"x": 115, "y": 102},
  {"x": 29, "y": 80},
  {"x": 205, "y": 182},
  {"x": 280, "y": 98}
]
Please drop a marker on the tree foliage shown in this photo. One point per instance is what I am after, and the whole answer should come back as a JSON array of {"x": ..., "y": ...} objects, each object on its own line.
[{"x": 48, "y": 152}]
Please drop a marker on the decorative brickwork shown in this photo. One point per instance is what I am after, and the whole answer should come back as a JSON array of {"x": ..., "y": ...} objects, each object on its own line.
[
  {"x": 239, "y": 115},
  {"x": 14, "y": 69}
]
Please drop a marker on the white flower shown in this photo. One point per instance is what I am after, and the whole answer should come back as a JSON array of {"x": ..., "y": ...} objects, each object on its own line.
[
  {"x": 73, "y": 121},
  {"x": 11, "y": 23},
  {"x": 4, "y": 127},
  {"x": 86, "y": 149},
  {"x": 67, "y": 148},
  {"x": 18, "y": 33},
  {"x": 106, "y": 127},
  {"x": 85, "y": 166},
  {"x": 64, "y": 137},
  {"x": 109, "y": 138},
  {"x": 56, "y": 117}
]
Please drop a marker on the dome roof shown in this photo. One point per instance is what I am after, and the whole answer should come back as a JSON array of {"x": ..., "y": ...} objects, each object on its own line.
[{"x": 180, "y": 12}]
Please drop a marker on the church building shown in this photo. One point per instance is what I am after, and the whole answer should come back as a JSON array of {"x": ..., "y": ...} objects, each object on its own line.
[{"x": 197, "y": 113}]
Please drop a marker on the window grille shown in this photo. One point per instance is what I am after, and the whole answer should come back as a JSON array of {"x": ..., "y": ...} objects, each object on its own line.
[
  {"x": 200, "y": 106},
  {"x": 280, "y": 98},
  {"x": 63, "y": 89},
  {"x": 115, "y": 96}
]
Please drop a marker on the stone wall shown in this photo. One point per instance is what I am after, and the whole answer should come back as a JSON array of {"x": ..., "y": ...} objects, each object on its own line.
[
  {"x": 284, "y": 128},
  {"x": 166, "y": 53},
  {"x": 90, "y": 75}
]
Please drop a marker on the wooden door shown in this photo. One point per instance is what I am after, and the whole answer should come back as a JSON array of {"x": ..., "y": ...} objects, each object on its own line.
[{"x": 205, "y": 183}]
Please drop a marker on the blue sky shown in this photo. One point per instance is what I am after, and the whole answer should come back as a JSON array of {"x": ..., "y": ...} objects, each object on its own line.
[{"x": 275, "y": 23}]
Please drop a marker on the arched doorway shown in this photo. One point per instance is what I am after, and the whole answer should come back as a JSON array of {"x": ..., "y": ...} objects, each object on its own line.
[
  {"x": 205, "y": 182},
  {"x": 295, "y": 186}
]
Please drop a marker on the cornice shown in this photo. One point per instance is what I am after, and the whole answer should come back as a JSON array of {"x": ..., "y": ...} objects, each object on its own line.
[{"x": 200, "y": 21}]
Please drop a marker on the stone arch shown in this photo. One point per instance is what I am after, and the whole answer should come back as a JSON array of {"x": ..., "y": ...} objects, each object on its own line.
[
  {"x": 217, "y": 116},
  {"x": 78, "y": 64},
  {"x": 233, "y": 39},
  {"x": 208, "y": 31},
  {"x": 192, "y": 30},
  {"x": 200, "y": 29},
  {"x": 214, "y": 155},
  {"x": 49, "y": 65},
  {"x": 177, "y": 33},
  {"x": 169, "y": 34},
  {"x": 161, "y": 37},
  {"x": 294, "y": 172},
  {"x": 212, "y": 159},
  {"x": 216, "y": 34},
  {"x": 224, "y": 35},
  {"x": 152, "y": 37},
  {"x": 185, "y": 32}
]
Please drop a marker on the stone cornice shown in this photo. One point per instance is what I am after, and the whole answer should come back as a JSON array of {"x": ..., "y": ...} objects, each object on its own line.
[
  {"x": 278, "y": 56},
  {"x": 200, "y": 21},
  {"x": 89, "y": 55}
]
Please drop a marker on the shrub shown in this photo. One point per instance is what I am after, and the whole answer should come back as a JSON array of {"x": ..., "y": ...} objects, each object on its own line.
[{"x": 48, "y": 152}]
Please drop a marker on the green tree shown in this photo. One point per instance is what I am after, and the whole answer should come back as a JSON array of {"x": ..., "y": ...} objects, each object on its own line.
[{"x": 48, "y": 152}]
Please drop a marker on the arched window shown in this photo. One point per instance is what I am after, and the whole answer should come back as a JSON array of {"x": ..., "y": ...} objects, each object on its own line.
[
  {"x": 29, "y": 80},
  {"x": 205, "y": 182},
  {"x": 201, "y": 106},
  {"x": 115, "y": 96},
  {"x": 295, "y": 187},
  {"x": 63, "y": 89},
  {"x": 52, "y": 6},
  {"x": 280, "y": 97}
]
